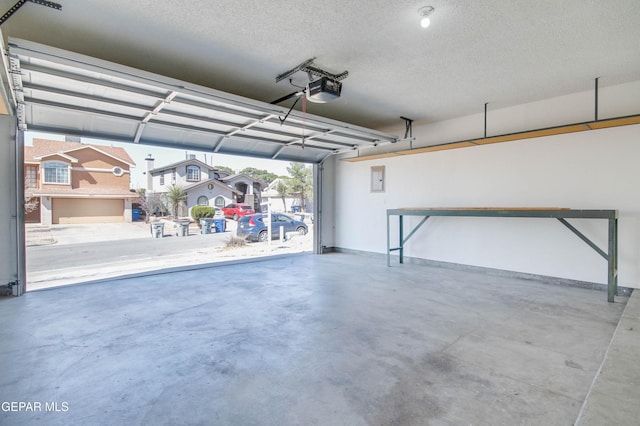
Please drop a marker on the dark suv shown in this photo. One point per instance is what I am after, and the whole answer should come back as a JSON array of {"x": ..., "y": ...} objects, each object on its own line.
[{"x": 236, "y": 211}]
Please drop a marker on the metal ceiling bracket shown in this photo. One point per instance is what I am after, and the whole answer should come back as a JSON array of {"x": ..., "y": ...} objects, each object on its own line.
[
  {"x": 311, "y": 70},
  {"x": 294, "y": 70},
  {"x": 21, "y": 3},
  {"x": 596, "y": 111},
  {"x": 408, "y": 130},
  {"x": 485, "y": 119}
]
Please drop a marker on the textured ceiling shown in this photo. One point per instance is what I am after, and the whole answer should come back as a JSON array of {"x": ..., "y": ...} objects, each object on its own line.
[{"x": 503, "y": 52}]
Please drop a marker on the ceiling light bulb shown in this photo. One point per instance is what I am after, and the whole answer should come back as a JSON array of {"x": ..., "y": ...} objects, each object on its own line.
[{"x": 424, "y": 13}]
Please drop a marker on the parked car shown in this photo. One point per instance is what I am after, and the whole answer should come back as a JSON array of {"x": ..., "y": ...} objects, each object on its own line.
[
  {"x": 253, "y": 228},
  {"x": 237, "y": 210}
]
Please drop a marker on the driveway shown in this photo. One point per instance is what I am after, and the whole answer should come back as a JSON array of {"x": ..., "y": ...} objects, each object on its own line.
[{"x": 68, "y": 254}]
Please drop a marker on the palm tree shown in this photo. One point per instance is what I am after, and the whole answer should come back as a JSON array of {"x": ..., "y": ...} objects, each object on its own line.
[{"x": 176, "y": 196}]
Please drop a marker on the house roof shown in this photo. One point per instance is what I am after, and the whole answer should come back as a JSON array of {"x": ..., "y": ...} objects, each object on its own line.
[
  {"x": 44, "y": 147},
  {"x": 193, "y": 161},
  {"x": 208, "y": 182},
  {"x": 241, "y": 175},
  {"x": 270, "y": 190},
  {"x": 58, "y": 154}
]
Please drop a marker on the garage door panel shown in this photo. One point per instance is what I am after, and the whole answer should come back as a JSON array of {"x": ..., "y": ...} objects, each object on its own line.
[{"x": 95, "y": 210}]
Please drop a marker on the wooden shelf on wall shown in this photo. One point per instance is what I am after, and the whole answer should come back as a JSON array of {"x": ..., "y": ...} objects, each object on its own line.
[{"x": 529, "y": 134}]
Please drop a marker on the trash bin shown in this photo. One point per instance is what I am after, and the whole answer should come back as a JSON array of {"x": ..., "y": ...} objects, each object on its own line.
[
  {"x": 183, "y": 229},
  {"x": 220, "y": 224},
  {"x": 135, "y": 215},
  {"x": 205, "y": 224},
  {"x": 157, "y": 229}
]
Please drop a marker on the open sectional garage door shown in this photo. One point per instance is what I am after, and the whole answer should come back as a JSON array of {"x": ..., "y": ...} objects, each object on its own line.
[
  {"x": 70, "y": 210},
  {"x": 57, "y": 91}
]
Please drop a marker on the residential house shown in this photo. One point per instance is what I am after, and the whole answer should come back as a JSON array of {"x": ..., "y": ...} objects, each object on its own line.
[
  {"x": 73, "y": 182},
  {"x": 271, "y": 196},
  {"x": 205, "y": 185},
  {"x": 249, "y": 187},
  {"x": 290, "y": 203}
]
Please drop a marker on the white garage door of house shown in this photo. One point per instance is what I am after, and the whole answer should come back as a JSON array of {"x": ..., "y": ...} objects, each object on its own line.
[
  {"x": 69, "y": 210},
  {"x": 58, "y": 91}
]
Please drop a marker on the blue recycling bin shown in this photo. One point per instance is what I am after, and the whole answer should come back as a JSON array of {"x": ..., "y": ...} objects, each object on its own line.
[
  {"x": 220, "y": 224},
  {"x": 135, "y": 215}
]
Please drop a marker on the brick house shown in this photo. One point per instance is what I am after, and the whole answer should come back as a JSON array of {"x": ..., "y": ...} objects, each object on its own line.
[{"x": 77, "y": 183}]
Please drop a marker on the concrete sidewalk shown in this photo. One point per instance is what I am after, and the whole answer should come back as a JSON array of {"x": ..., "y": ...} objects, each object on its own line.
[{"x": 37, "y": 235}]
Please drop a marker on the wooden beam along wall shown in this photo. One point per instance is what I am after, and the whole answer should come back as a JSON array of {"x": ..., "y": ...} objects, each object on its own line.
[{"x": 529, "y": 134}]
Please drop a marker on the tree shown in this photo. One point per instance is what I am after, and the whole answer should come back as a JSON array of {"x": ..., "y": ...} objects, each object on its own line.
[
  {"x": 225, "y": 169},
  {"x": 30, "y": 202},
  {"x": 150, "y": 203},
  {"x": 264, "y": 175},
  {"x": 301, "y": 181},
  {"x": 176, "y": 196},
  {"x": 282, "y": 187}
]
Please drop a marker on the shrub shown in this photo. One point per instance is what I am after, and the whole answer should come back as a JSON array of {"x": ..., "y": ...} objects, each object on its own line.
[
  {"x": 201, "y": 212},
  {"x": 234, "y": 242}
]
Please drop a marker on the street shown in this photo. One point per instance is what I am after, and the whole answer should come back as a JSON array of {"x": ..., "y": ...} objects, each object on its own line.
[
  {"x": 82, "y": 253},
  {"x": 43, "y": 258}
]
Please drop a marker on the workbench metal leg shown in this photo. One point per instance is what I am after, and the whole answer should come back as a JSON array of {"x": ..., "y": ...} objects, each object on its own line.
[
  {"x": 615, "y": 255},
  {"x": 612, "y": 278},
  {"x": 401, "y": 231},
  {"x": 388, "y": 243}
]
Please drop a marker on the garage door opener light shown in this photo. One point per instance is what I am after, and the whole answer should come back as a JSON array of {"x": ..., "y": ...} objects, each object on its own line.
[{"x": 424, "y": 13}]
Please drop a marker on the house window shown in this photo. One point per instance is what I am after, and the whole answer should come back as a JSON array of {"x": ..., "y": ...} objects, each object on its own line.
[
  {"x": 193, "y": 173},
  {"x": 31, "y": 180},
  {"x": 219, "y": 202},
  {"x": 56, "y": 172},
  {"x": 162, "y": 179},
  {"x": 173, "y": 176},
  {"x": 203, "y": 201}
]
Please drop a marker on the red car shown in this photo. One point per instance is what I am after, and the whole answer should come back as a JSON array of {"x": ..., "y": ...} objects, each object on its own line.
[{"x": 236, "y": 211}]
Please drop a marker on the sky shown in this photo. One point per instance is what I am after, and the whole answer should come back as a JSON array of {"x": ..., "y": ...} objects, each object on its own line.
[{"x": 163, "y": 156}]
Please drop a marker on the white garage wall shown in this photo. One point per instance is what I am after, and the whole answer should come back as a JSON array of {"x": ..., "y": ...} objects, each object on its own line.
[{"x": 586, "y": 170}]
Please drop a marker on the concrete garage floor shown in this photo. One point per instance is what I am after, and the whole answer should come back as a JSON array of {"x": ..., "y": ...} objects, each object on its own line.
[{"x": 327, "y": 340}]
